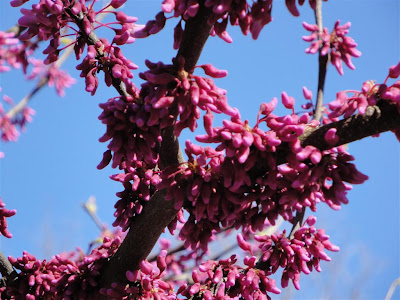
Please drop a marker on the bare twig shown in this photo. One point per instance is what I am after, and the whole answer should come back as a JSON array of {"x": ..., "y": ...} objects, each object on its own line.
[
  {"x": 21, "y": 105},
  {"x": 392, "y": 288},
  {"x": 89, "y": 207},
  {"x": 17, "y": 30},
  {"x": 297, "y": 222}
]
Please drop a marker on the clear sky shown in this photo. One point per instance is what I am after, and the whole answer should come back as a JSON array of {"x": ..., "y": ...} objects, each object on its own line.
[{"x": 51, "y": 170}]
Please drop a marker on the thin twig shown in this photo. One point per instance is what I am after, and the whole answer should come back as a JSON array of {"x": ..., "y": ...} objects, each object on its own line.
[
  {"x": 41, "y": 83},
  {"x": 268, "y": 231},
  {"x": 17, "y": 30},
  {"x": 43, "y": 80},
  {"x": 322, "y": 67},
  {"x": 21, "y": 105},
  {"x": 177, "y": 249},
  {"x": 91, "y": 212}
]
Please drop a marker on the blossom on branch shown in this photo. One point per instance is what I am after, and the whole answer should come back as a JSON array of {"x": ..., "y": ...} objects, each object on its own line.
[{"x": 337, "y": 44}]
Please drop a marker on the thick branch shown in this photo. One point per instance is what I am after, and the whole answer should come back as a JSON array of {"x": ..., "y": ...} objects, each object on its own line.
[
  {"x": 382, "y": 117},
  {"x": 197, "y": 30}
]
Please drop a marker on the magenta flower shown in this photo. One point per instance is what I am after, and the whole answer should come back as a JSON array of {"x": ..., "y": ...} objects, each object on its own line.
[{"x": 337, "y": 44}]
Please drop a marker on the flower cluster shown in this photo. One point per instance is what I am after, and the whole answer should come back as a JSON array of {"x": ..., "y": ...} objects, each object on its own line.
[
  {"x": 56, "y": 77},
  {"x": 224, "y": 280},
  {"x": 145, "y": 283},
  {"x": 337, "y": 44},
  {"x": 243, "y": 183},
  {"x": 13, "y": 53},
  {"x": 179, "y": 262},
  {"x": 184, "y": 94},
  {"x": 369, "y": 95},
  {"x": 10, "y": 121},
  {"x": 16, "y": 54},
  {"x": 296, "y": 255},
  {"x": 47, "y": 19},
  {"x": 111, "y": 60},
  {"x": 134, "y": 126},
  {"x": 139, "y": 187},
  {"x": 134, "y": 131},
  {"x": 65, "y": 276}
]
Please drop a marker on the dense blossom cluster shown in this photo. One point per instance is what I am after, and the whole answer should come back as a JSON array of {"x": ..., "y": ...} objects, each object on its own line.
[
  {"x": 183, "y": 95},
  {"x": 145, "y": 283},
  {"x": 138, "y": 189},
  {"x": 241, "y": 183},
  {"x": 134, "y": 127},
  {"x": 337, "y": 44},
  {"x": 66, "y": 276},
  {"x": 13, "y": 53}
]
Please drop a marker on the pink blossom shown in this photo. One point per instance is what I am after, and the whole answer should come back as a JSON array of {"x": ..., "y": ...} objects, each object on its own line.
[
  {"x": 394, "y": 71},
  {"x": 340, "y": 46}
]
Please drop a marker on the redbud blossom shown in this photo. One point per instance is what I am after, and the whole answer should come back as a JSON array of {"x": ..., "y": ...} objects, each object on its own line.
[
  {"x": 394, "y": 71},
  {"x": 340, "y": 46}
]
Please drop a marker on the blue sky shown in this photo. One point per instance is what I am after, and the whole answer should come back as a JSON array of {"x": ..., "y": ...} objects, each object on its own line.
[{"x": 51, "y": 170}]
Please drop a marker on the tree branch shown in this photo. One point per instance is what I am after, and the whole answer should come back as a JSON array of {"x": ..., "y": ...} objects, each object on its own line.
[
  {"x": 382, "y": 117},
  {"x": 197, "y": 31},
  {"x": 7, "y": 270},
  {"x": 322, "y": 68},
  {"x": 17, "y": 29},
  {"x": 392, "y": 288},
  {"x": 147, "y": 227}
]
